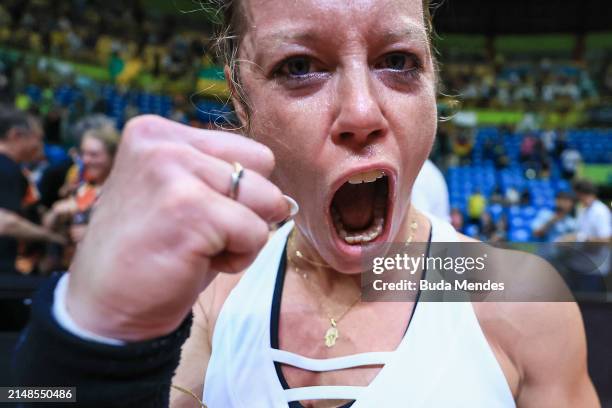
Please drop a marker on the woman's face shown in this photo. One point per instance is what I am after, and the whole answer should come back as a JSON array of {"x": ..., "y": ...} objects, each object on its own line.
[
  {"x": 343, "y": 92},
  {"x": 96, "y": 160}
]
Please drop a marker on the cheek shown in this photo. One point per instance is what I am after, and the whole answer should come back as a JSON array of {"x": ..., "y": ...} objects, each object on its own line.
[
  {"x": 415, "y": 128},
  {"x": 294, "y": 131}
]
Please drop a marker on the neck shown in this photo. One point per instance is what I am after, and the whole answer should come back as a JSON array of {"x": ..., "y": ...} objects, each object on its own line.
[
  {"x": 329, "y": 280},
  {"x": 313, "y": 267}
]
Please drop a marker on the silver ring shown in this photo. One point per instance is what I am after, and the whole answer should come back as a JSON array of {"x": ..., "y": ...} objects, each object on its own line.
[{"x": 236, "y": 176}]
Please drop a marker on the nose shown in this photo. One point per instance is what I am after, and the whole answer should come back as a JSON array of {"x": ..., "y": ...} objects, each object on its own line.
[{"x": 359, "y": 119}]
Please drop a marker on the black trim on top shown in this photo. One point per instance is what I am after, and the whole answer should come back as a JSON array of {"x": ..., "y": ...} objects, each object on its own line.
[{"x": 275, "y": 316}]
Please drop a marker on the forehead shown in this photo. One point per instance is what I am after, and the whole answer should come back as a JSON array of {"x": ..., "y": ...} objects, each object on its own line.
[
  {"x": 269, "y": 23},
  {"x": 90, "y": 142},
  {"x": 34, "y": 126}
]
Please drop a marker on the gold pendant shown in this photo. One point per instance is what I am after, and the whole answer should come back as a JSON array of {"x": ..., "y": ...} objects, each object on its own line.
[{"x": 332, "y": 334}]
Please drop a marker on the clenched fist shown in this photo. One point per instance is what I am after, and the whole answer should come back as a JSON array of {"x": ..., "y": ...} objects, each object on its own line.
[{"x": 165, "y": 226}]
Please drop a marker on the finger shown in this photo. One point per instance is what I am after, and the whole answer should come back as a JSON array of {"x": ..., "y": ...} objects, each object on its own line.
[
  {"x": 229, "y": 262},
  {"x": 227, "y": 146},
  {"x": 253, "y": 191},
  {"x": 239, "y": 229}
]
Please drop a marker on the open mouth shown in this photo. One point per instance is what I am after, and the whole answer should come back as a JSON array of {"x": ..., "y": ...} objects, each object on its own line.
[{"x": 359, "y": 207}]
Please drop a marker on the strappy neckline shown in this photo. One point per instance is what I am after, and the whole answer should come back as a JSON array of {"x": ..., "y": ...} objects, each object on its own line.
[{"x": 274, "y": 340}]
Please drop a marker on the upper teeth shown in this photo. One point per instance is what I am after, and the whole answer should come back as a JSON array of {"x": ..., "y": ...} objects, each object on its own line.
[{"x": 366, "y": 177}]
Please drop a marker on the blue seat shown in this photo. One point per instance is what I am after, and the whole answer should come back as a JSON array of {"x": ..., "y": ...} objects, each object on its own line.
[
  {"x": 519, "y": 235},
  {"x": 471, "y": 230},
  {"x": 517, "y": 222},
  {"x": 496, "y": 211}
]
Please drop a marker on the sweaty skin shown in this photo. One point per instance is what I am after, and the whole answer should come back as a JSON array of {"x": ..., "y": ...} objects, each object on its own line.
[{"x": 327, "y": 100}]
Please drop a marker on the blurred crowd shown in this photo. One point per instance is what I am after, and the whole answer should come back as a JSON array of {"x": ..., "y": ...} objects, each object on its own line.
[
  {"x": 526, "y": 85},
  {"x": 103, "y": 33},
  {"x": 577, "y": 215},
  {"x": 47, "y": 194},
  {"x": 517, "y": 183},
  {"x": 506, "y": 184}
]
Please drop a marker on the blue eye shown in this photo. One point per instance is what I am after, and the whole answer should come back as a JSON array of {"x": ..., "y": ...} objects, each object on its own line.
[
  {"x": 296, "y": 67},
  {"x": 395, "y": 61},
  {"x": 399, "y": 62}
]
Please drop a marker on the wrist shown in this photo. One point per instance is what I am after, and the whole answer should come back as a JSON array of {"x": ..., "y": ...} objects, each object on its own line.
[
  {"x": 65, "y": 320},
  {"x": 108, "y": 320}
]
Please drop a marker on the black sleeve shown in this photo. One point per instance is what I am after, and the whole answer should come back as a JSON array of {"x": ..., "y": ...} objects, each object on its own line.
[
  {"x": 135, "y": 375},
  {"x": 12, "y": 189}
]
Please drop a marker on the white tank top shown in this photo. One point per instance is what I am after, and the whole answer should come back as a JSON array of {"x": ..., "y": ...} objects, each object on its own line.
[{"x": 444, "y": 359}]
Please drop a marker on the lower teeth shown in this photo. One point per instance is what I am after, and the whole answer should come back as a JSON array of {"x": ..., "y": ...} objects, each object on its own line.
[{"x": 368, "y": 235}]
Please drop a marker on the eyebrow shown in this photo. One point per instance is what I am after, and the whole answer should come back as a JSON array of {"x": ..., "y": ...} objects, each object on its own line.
[
  {"x": 394, "y": 35},
  {"x": 409, "y": 30},
  {"x": 286, "y": 36}
]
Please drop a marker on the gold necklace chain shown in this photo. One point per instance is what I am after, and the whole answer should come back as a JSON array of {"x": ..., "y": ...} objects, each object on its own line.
[{"x": 332, "y": 334}]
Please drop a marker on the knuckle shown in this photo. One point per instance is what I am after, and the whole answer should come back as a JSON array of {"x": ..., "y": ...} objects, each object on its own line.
[
  {"x": 159, "y": 154},
  {"x": 141, "y": 127},
  {"x": 164, "y": 161},
  {"x": 181, "y": 197}
]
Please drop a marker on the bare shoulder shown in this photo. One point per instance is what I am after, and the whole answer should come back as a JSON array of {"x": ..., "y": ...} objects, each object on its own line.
[
  {"x": 529, "y": 324},
  {"x": 532, "y": 339},
  {"x": 536, "y": 331}
]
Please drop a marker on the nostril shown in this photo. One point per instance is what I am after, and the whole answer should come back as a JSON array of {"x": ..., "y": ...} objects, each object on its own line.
[
  {"x": 345, "y": 135},
  {"x": 377, "y": 133}
]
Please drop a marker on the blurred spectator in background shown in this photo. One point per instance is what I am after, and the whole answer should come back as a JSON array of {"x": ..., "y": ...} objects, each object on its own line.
[
  {"x": 97, "y": 152},
  {"x": 528, "y": 146},
  {"x": 456, "y": 219},
  {"x": 550, "y": 225},
  {"x": 512, "y": 196},
  {"x": 462, "y": 147},
  {"x": 594, "y": 226},
  {"x": 570, "y": 160},
  {"x": 430, "y": 192},
  {"x": 476, "y": 206},
  {"x": 59, "y": 184},
  {"x": 20, "y": 142},
  {"x": 491, "y": 231},
  {"x": 594, "y": 220}
]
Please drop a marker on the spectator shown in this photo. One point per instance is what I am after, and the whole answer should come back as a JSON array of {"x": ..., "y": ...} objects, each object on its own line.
[
  {"x": 462, "y": 148},
  {"x": 20, "y": 142},
  {"x": 528, "y": 146},
  {"x": 491, "y": 231},
  {"x": 98, "y": 147},
  {"x": 594, "y": 227},
  {"x": 476, "y": 206},
  {"x": 570, "y": 160},
  {"x": 594, "y": 220},
  {"x": 549, "y": 225},
  {"x": 456, "y": 218}
]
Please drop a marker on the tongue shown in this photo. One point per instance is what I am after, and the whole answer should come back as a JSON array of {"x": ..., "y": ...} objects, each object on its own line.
[{"x": 355, "y": 204}]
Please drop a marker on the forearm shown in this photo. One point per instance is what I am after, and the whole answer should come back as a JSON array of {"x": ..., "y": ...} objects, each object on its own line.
[
  {"x": 136, "y": 374},
  {"x": 18, "y": 227},
  {"x": 543, "y": 230}
]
